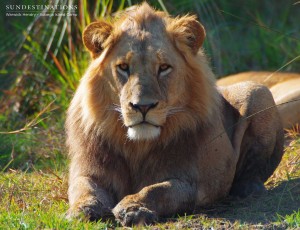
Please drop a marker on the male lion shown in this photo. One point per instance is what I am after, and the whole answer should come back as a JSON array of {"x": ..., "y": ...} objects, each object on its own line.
[
  {"x": 148, "y": 133},
  {"x": 285, "y": 88}
]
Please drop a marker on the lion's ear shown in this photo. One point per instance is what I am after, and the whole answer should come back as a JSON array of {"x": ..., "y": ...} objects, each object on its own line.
[
  {"x": 187, "y": 30},
  {"x": 94, "y": 35}
]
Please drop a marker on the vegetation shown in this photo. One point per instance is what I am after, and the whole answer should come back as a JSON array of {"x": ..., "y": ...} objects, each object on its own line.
[{"x": 41, "y": 62}]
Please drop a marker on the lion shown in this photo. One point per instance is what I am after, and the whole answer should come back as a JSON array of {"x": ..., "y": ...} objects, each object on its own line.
[
  {"x": 285, "y": 88},
  {"x": 149, "y": 134}
]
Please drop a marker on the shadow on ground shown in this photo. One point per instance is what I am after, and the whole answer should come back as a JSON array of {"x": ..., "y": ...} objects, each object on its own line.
[{"x": 282, "y": 200}]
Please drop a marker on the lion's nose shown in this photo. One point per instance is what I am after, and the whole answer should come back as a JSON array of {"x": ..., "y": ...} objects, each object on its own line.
[{"x": 143, "y": 108}]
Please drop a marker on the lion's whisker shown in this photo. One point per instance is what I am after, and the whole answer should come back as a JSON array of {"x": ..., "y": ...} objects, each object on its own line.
[
  {"x": 116, "y": 108},
  {"x": 175, "y": 110}
]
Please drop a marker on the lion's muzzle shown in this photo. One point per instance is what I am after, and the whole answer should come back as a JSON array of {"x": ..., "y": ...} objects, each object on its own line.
[{"x": 141, "y": 126}]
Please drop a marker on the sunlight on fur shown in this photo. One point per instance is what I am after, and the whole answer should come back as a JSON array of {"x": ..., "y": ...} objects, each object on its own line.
[{"x": 143, "y": 132}]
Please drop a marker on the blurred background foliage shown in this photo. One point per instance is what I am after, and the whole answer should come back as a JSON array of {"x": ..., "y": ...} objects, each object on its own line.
[{"x": 42, "y": 59}]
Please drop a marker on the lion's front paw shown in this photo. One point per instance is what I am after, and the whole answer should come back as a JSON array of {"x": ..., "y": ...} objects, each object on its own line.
[
  {"x": 133, "y": 214},
  {"x": 90, "y": 210}
]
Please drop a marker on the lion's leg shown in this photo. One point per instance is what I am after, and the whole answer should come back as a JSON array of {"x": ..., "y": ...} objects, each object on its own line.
[
  {"x": 262, "y": 143},
  {"x": 155, "y": 200},
  {"x": 88, "y": 199},
  {"x": 255, "y": 167}
]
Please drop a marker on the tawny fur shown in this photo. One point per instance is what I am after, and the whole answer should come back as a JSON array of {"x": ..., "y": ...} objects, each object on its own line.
[
  {"x": 206, "y": 148},
  {"x": 285, "y": 88}
]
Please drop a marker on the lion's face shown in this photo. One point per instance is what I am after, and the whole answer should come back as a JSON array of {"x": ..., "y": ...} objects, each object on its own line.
[
  {"x": 143, "y": 61},
  {"x": 146, "y": 70}
]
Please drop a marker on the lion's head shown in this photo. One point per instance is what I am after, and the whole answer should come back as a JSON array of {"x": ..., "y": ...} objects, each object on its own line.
[{"x": 148, "y": 77}]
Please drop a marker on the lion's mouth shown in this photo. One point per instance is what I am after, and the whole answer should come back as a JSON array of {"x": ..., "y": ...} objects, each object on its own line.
[{"x": 144, "y": 123}]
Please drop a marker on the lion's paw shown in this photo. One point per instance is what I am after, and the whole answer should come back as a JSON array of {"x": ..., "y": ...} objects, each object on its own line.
[
  {"x": 90, "y": 211},
  {"x": 133, "y": 214}
]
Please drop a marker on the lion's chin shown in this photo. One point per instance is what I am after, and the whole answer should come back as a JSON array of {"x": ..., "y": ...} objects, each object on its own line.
[{"x": 143, "y": 132}]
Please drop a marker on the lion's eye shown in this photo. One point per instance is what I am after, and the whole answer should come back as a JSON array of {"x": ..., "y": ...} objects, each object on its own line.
[
  {"x": 164, "y": 69},
  {"x": 124, "y": 66},
  {"x": 123, "y": 69}
]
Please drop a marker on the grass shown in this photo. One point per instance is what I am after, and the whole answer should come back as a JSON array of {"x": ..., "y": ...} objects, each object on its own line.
[
  {"x": 36, "y": 200},
  {"x": 40, "y": 69}
]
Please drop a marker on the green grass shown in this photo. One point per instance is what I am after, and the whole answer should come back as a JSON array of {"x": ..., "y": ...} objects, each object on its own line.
[
  {"x": 36, "y": 201},
  {"x": 293, "y": 220}
]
